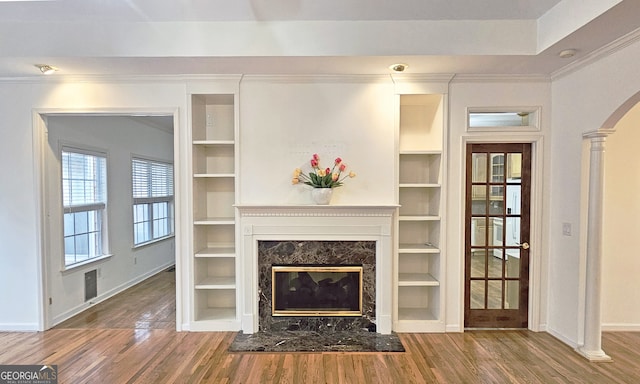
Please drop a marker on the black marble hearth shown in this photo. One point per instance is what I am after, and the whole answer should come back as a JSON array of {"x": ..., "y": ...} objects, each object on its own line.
[{"x": 309, "y": 341}]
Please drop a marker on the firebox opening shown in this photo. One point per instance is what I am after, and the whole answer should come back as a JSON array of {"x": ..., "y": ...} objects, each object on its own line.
[{"x": 307, "y": 290}]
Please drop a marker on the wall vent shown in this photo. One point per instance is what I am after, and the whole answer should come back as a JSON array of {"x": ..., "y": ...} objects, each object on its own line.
[{"x": 90, "y": 285}]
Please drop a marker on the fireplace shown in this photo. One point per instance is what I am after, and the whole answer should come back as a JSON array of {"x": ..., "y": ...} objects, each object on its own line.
[
  {"x": 307, "y": 290},
  {"x": 316, "y": 236},
  {"x": 283, "y": 264}
]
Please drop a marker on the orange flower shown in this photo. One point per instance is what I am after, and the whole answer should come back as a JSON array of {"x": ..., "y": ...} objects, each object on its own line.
[{"x": 295, "y": 180}]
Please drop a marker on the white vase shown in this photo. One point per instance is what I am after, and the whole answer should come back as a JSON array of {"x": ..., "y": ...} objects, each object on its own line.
[{"x": 321, "y": 196}]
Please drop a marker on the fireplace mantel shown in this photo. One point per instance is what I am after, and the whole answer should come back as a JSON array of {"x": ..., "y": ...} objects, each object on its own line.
[
  {"x": 316, "y": 223},
  {"x": 317, "y": 210}
]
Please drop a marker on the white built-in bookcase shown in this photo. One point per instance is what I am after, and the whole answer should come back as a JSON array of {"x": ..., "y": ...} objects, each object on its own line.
[
  {"x": 419, "y": 257},
  {"x": 214, "y": 261}
]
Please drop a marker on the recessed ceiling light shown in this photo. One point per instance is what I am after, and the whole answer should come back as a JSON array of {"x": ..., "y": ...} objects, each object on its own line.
[
  {"x": 567, "y": 53},
  {"x": 398, "y": 67},
  {"x": 46, "y": 69}
]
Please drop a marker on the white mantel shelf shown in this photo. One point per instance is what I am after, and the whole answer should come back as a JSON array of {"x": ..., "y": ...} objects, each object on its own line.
[
  {"x": 317, "y": 210},
  {"x": 316, "y": 222}
]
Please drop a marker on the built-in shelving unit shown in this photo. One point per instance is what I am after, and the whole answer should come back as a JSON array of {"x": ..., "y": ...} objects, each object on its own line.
[
  {"x": 214, "y": 291},
  {"x": 418, "y": 263}
]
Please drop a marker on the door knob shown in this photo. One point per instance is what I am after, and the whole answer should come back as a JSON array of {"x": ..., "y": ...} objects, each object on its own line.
[{"x": 524, "y": 245}]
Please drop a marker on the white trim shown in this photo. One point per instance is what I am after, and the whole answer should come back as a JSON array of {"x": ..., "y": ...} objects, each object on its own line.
[
  {"x": 39, "y": 134},
  {"x": 560, "y": 336},
  {"x": 39, "y": 130},
  {"x": 112, "y": 292},
  {"x": 75, "y": 266},
  {"x": 532, "y": 127},
  {"x": 618, "y": 327},
  {"x": 19, "y": 327}
]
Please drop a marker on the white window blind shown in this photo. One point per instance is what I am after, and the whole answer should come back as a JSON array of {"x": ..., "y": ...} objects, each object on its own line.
[
  {"x": 152, "y": 179},
  {"x": 84, "y": 199},
  {"x": 152, "y": 184}
]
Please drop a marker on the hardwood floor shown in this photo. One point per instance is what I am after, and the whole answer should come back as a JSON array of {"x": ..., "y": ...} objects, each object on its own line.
[{"x": 116, "y": 343}]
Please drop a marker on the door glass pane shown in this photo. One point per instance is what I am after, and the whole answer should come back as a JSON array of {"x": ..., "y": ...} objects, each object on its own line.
[
  {"x": 495, "y": 294},
  {"x": 495, "y": 263},
  {"x": 478, "y": 199},
  {"x": 478, "y": 231},
  {"x": 514, "y": 166},
  {"x": 497, "y": 168},
  {"x": 479, "y": 168},
  {"x": 496, "y": 206},
  {"x": 512, "y": 294},
  {"x": 477, "y": 294},
  {"x": 513, "y": 199},
  {"x": 478, "y": 264},
  {"x": 495, "y": 231},
  {"x": 513, "y": 263},
  {"x": 512, "y": 231}
]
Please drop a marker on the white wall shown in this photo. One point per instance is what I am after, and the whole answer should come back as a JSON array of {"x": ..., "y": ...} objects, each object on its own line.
[
  {"x": 582, "y": 102},
  {"x": 282, "y": 124},
  {"x": 121, "y": 138},
  {"x": 620, "y": 264},
  {"x": 20, "y": 247}
]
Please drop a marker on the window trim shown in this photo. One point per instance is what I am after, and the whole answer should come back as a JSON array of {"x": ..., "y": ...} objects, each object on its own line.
[
  {"x": 103, "y": 206},
  {"x": 149, "y": 201}
]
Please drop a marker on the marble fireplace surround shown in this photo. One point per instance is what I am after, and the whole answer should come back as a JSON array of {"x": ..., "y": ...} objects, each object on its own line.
[{"x": 315, "y": 223}]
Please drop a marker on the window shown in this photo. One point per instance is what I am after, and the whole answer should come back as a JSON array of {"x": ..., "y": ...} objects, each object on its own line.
[
  {"x": 84, "y": 200},
  {"x": 152, "y": 200},
  {"x": 503, "y": 119}
]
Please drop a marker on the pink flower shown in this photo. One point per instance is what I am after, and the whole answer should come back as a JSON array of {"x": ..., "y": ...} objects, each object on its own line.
[
  {"x": 316, "y": 157},
  {"x": 338, "y": 160},
  {"x": 314, "y": 163},
  {"x": 335, "y": 176},
  {"x": 342, "y": 167},
  {"x": 327, "y": 171}
]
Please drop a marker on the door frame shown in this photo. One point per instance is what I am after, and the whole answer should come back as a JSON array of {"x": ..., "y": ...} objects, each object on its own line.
[
  {"x": 537, "y": 281},
  {"x": 40, "y": 142}
]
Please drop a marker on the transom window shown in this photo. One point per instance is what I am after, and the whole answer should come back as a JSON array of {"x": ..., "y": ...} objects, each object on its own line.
[
  {"x": 152, "y": 200},
  {"x": 84, "y": 200}
]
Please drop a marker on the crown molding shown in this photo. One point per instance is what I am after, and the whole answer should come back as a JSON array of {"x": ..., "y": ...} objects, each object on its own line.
[
  {"x": 598, "y": 54},
  {"x": 58, "y": 78},
  {"x": 477, "y": 78},
  {"x": 315, "y": 79}
]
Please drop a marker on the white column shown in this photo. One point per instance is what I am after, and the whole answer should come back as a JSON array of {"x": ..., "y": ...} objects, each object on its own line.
[{"x": 592, "y": 348}]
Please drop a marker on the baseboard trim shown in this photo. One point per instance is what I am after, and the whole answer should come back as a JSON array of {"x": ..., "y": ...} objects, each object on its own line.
[
  {"x": 621, "y": 327},
  {"x": 562, "y": 338},
  {"x": 19, "y": 327},
  {"x": 110, "y": 293}
]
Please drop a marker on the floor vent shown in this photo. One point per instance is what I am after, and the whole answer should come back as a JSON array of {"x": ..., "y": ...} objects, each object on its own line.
[{"x": 90, "y": 285}]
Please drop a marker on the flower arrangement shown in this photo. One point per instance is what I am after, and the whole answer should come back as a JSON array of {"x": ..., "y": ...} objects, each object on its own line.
[{"x": 320, "y": 177}]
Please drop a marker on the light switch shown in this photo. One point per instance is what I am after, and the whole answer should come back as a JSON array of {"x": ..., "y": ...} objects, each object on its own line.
[{"x": 566, "y": 229}]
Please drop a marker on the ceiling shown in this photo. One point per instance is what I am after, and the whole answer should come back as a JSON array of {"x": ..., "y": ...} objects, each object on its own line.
[{"x": 264, "y": 37}]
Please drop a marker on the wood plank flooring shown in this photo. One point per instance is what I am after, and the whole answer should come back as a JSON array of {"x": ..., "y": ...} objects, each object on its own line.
[{"x": 113, "y": 344}]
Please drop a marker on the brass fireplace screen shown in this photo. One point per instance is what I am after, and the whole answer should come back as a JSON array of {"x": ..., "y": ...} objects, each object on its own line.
[{"x": 316, "y": 290}]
